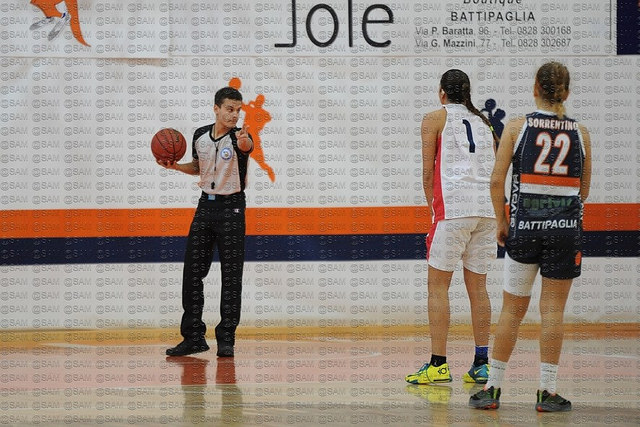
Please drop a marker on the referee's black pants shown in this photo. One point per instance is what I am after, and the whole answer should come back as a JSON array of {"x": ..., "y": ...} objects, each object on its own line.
[{"x": 217, "y": 223}]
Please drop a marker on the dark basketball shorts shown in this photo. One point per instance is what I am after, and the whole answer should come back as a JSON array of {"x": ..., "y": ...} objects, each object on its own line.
[{"x": 558, "y": 257}]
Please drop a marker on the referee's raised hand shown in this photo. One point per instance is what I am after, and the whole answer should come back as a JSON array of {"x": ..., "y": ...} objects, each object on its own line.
[{"x": 244, "y": 140}]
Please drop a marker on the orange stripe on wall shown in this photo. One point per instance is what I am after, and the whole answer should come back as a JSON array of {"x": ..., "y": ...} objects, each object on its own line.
[
  {"x": 95, "y": 223},
  {"x": 176, "y": 221},
  {"x": 612, "y": 217},
  {"x": 262, "y": 221}
]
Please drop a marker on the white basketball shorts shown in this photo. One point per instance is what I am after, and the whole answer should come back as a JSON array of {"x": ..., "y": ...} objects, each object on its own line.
[{"x": 472, "y": 240}]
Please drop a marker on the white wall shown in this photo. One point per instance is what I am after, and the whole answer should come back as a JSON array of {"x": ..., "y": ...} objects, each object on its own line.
[{"x": 77, "y": 120}]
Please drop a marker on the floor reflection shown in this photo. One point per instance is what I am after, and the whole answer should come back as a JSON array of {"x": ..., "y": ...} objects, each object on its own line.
[
  {"x": 194, "y": 380},
  {"x": 340, "y": 382},
  {"x": 231, "y": 394}
]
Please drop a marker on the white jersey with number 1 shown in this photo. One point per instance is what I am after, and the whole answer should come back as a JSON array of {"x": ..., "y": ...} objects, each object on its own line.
[{"x": 464, "y": 161}]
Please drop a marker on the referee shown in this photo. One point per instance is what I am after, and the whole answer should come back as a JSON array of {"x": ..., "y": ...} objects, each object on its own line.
[{"x": 220, "y": 156}]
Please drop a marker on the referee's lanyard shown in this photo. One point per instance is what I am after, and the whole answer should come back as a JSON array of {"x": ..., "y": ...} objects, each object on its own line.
[{"x": 215, "y": 162}]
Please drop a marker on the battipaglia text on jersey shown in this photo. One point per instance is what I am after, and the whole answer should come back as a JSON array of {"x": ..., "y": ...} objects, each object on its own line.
[{"x": 548, "y": 224}]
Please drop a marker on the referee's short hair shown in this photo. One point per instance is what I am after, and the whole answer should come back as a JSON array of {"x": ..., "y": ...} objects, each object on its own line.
[{"x": 227, "y": 93}]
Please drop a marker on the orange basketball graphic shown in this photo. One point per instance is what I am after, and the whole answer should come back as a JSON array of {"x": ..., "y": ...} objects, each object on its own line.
[{"x": 52, "y": 14}]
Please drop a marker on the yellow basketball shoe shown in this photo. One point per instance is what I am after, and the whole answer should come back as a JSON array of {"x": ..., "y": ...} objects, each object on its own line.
[{"x": 430, "y": 375}]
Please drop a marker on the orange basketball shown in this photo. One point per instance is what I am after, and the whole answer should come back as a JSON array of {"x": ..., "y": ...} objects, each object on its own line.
[{"x": 168, "y": 144}]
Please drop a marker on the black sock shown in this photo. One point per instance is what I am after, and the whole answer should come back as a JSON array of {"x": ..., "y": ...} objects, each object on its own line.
[
  {"x": 437, "y": 360},
  {"x": 479, "y": 360}
]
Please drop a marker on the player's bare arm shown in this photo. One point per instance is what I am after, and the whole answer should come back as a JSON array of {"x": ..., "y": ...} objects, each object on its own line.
[
  {"x": 432, "y": 125},
  {"x": 499, "y": 175},
  {"x": 585, "y": 180}
]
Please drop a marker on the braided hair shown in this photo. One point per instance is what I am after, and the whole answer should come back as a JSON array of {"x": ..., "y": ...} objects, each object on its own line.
[
  {"x": 455, "y": 83},
  {"x": 552, "y": 80}
]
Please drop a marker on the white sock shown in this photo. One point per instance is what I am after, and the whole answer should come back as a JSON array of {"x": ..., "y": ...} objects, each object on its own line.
[
  {"x": 496, "y": 373},
  {"x": 548, "y": 377}
]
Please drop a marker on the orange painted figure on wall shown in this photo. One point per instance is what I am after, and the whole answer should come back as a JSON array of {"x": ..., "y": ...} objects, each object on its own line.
[
  {"x": 52, "y": 14},
  {"x": 256, "y": 118}
]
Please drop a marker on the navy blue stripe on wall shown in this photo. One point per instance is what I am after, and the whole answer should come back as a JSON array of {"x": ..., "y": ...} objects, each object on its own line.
[
  {"x": 628, "y": 27},
  {"x": 365, "y": 247}
]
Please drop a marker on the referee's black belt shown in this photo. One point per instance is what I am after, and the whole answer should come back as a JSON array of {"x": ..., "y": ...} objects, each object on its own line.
[{"x": 239, "y": 196}]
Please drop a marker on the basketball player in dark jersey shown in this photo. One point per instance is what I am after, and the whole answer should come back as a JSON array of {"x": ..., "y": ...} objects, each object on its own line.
[
  {"x": 220, "y": 157},
  {"x": 551, "y": 159}
]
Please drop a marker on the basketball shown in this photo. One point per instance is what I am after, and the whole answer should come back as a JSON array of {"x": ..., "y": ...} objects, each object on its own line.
[{"x": 168, "y": 145}]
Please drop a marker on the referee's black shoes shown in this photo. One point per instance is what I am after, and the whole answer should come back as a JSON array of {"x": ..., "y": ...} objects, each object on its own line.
[
  {"x": 225, "y": 350},
  {"x": 187, "y": 347}
]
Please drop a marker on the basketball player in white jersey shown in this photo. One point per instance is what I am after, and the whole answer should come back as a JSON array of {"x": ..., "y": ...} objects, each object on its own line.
[
  {"x": 458, "y": 153},
  {"x": 551, "y": 159}
]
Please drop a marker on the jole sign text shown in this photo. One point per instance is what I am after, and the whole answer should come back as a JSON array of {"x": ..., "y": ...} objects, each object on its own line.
[{"x": 370, "y": 16}]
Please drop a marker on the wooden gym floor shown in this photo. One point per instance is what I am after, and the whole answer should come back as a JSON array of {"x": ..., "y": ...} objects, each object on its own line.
[{"x": 303, "y": 378}]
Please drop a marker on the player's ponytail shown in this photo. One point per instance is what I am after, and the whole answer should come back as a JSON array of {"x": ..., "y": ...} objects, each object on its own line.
[
  {"x": 552, "y": 81},
  {"x": 455, "y": 83},
  {"x": 486, "y": 121}
]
